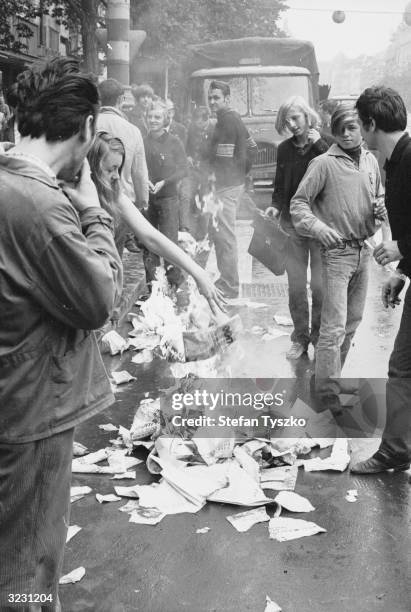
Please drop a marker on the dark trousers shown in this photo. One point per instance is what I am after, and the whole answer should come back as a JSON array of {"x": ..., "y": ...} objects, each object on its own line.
[
  {"x": 301, "y": 252},
  {"x": 396, "y": 439},
  {"x": 163, "y": 214},
  {"x": 34, "y": 516}
]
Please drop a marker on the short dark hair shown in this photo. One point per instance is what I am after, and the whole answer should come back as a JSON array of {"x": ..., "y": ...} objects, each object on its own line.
[
  {"x": 385, "y": 106},
  {"x": 222, "y": 86},
  {"x": 54, "y": 99},
  {"x": 110, "y": 91},
  {"x": 144, "y": 89}
]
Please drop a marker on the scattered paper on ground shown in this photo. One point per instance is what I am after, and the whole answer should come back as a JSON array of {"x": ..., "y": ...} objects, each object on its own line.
[
  {"x": 146, "y": 421},
  {"x": 281, "y": 319},
  {"x": 122, "y": 377},
  {"x": 91, "y": 458},
  {"x": 110, "y": 497},
  {"x": 203, "y": 530},
  {"x": 72, "y": 531},
  {"x": 131, "y": 475},
  {"x": 271, "y": 606},
  {"x": 337, "y": 461},
  {"x": 75, "y": 576},
  {"x": 247, "y": 462},
  {"x": 245, "y": 520},
  {"x": 352, "y": 495},
  {"x": 293, "y": 502},
  {"x": 144, "y": 356},
  {"x": 77, "y": 493},
  {"x": 242, "y": 490},
  {"x": 113, "y": 343},
  {"x": 79, "y": 449},
  {"x": 283, "y": 529},
  {"x": 279, "y": 478},
  {"x": 212, "y": 449},
  {"x": 146, "y": 516},
  {"x": 108, "y": 427}
]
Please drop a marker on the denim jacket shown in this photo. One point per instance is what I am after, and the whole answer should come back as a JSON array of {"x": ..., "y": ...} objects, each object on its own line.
[{"x": 60, "y": 274}]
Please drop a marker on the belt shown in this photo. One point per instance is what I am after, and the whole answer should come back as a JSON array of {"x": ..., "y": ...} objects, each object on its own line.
[{"x": 353, "y": 242}]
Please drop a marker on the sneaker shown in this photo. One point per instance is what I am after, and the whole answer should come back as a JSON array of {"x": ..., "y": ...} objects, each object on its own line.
[
  {"x": 377, "y": 463},
  {"x": 296, "y": 351}
]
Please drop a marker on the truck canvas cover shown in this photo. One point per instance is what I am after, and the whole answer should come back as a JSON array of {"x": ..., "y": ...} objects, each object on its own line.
[{"x": 253, "y": 50}]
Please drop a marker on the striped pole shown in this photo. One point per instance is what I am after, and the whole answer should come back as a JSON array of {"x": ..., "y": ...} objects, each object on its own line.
[{"x": 118, "y": 36}]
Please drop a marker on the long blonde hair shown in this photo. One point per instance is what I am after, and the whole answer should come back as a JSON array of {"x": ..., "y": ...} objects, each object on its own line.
[
  {"x": 313, "y": 119},
  {"x": 108, "y": 193}
]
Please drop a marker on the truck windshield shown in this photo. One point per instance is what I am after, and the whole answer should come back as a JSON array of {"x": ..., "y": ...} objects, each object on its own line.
[
  {"x": 238, "y": 87},
  {"x": 269, "y": 92}
]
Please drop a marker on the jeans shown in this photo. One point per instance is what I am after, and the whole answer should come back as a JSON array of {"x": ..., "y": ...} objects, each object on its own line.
[
  {"x": 224, "y": 239},
  {"x": 299, "y": 250},
  {"x": 396, "y": 439},
  {"x": 163, "y": 214},
  {"x": 345, "y": 280},
  {"x": 34, "y": 516}
]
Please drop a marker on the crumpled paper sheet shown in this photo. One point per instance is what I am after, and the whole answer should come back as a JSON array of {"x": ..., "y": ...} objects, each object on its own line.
[
  {"x": 144, "y": 356},
  {"x": 110, "y": 497},
  {"x": 77, "y": 493},
  {"x": 213, "y": 449},
  {"x": 143, "y": 341},
  {"x": 203, "y": 368},
  {"x": 337, "y": 461},
  {"x": 108, "y": 427},
  {"x": 196, "y": 483},
  {"x": 131, "y": 475},
  {"x": 74, "y": 576},
  {"x": 113, "y": 343},
  {"x": 352, "y": 495},
  {"x": 242, "y": 489},
  {"x": 203, "y": 530},
  {"x": 280, "y": 478},
  {"x": 243, "y": 521},
  {"x": 146, "y": 421},
  {"x": 146, "y": 516},
  {"x": 293, "y": 502},
  {"x": 271, "y": 606},
  {"x": 72, "y": 531},
  {"x": 281, "y": 319},
  {"x": 247, "y": 462},
  {"x": 284, "y": 529},
  {"x": 79, "y": 449}
]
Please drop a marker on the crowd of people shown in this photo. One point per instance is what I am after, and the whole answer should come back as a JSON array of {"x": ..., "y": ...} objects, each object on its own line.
[{"x": 80, "y": 180}]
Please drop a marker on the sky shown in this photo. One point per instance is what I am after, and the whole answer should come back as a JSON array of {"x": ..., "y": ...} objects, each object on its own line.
[{"x": 367, "y": 32}]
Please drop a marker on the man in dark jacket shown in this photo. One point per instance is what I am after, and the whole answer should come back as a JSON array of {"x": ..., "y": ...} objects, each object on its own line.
[
  {"x": 383, "y": 118},
  {"x": 228, "y": 162},
  {"x": 60, "y": 275}
]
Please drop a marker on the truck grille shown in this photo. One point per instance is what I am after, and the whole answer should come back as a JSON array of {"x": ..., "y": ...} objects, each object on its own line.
[{"x": 266, "y": 156}]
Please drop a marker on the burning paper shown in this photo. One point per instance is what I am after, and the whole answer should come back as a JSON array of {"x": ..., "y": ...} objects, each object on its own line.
[
  {"x": 271, "y": 605},
  {"x": 75, "y": 576},
  {"x": 71, "y": 532},
  {"x": 110, "y": 497},
  {"x": 279, "y": 478},
  {"x": 293, "y": 502},
  {"x": 283, "y": 320},
  {"x": 284, "y": 529},
  {"x": 113, "y": 343},
  {"x": 245, "y": 520},
  {"x": 77, "y": 493},
  {"x": 337, "y": 461},
  {"x": 120, "y": 378},
  {"x": 146, "y": 516}
]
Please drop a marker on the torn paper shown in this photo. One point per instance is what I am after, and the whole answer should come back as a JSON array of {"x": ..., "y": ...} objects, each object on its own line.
[
  {"x": 242, "y": 490},
  {"x": 77, "y": 493},
  {"x": 283, "y": 320},
  {"x": 122, "y": 377},
  {"x": 108, "y": 427},
  {"x": 113, "y": 343},
  {"x": 352, "y": 495},
  {"x": 213, "y": 449},
  {"x": 203, "y": 530},
  {"x": 245, "y": 520},
  {"x": 293, "y": 502},
  {"x": 280, "y": 478},
  {"x": 110, "y": 497},
  {"x": 337, "y": 461},
  {"x": 271, "y": 606},
  {"x": 131, "y": 475},
  {"x": 91, "y": 458},
  {"x": 75, "y": 576},
  {"x": 247, "y": 462},
  {"x": 144, "y": 356},
  {"x": 146, "y": 516},
  {"x": 71, "y": 532},
  {"x": 79, "y": 449},
  {"x": 283, "y": 529},
  {"x": 146, "y": 421},
  {"x": 144, "y": 341}
]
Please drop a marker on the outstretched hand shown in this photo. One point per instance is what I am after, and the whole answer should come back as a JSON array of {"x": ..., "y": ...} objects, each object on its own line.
[{"x": 212, "y": 294}]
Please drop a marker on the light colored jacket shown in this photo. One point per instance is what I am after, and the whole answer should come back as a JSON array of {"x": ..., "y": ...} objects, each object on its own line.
[
  {"x": 134, "y": 175},
  {"x": 334, "y": 192}
]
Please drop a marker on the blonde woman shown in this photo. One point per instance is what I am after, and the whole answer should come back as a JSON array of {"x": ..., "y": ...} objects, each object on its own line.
[{"x": 295, "y": 117}]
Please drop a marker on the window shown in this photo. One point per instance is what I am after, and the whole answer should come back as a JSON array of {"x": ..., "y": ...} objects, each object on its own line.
[
  {"x": 54, "y": 39},
  {"x": 238, "y": 88},
  {"x": 269, "y": 92}
]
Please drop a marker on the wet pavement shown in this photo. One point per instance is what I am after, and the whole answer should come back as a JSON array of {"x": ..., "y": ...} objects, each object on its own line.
[{"x": 361, "y": 564}]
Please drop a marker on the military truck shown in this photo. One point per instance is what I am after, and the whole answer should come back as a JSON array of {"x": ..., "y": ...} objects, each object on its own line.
[{"x": 262, "y": 74}]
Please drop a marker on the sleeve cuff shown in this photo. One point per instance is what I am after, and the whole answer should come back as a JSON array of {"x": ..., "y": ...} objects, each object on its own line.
[{"x": 96, "y": 214}]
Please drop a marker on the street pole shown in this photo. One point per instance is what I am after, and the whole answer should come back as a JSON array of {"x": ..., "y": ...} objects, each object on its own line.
[{"x": 118, "y": 37}]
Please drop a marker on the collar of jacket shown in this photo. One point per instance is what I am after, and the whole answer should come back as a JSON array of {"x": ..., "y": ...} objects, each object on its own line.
[
  {"x": 336, "y": 151},
  {"x": 399, "y": 148},
  {"x": 161, "y": 138},
  {"x": 114, "y": 110},
  {"x": 21, "y": 167},
  {"x": 223, "y": 111}
]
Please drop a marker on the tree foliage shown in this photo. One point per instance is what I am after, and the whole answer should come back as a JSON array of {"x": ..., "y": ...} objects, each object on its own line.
[{"x": 13, "y": 13}]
